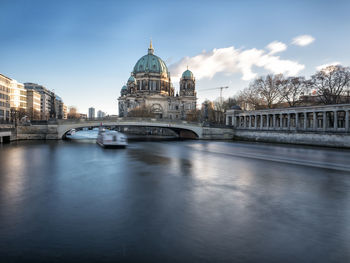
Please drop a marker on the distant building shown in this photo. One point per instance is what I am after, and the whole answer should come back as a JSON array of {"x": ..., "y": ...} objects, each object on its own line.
[
  {"x": 33, "y": 105},
  {"x": 5, "y": 85},
  {"x": 92, "y": 113},
  {"x": 82, "y": 115},
  {"x": 18, "y": 96},
  {"x": 59, "y": 108},
  {"x": 47, "y": 100},
  {"x": 101, "y": 114},
  {"x": 65, "y": 112}
]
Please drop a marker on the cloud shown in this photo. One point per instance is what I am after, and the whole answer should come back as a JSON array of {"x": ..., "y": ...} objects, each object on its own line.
[
  {"x": 276, "y": 47},
  {"x": 320, "y": 67},
  {"x": 303, "y": 40},
  {"x": 230, "y": 60}
]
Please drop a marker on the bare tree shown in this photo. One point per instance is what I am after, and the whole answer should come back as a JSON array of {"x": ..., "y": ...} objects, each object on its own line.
[
  {"x": 210, "y": 114},
  {"x": 17, "y": 113},
  {"x": 73, "y": 113},
  {"x": 218, "y": 104},
  {"x": 194, "y": 115},
  {"x": 267, "y": 89},
  {"x": 249, "y": 99},
  {"x": 228, "y": 103},
  {"x": 331, "y": 83},
  {"x": 291, "y": 89}
]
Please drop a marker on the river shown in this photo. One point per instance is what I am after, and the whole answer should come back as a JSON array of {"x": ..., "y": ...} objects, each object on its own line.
[{"x": 173, "y": 201}]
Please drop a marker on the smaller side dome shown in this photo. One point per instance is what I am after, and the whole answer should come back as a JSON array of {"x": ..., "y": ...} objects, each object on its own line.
[
  {"x": 131, "y": 79},
  {"x": 187, "y": 74},
  {"x": 124, "y": 90}
]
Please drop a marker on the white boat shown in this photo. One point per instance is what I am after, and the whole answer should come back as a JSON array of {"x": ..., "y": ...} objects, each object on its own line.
[
  {"x": 111, "y": 139},
  {"x": 71, "y": 132}
]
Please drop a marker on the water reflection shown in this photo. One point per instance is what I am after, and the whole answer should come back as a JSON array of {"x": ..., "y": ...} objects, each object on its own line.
[
  {"x": 200, "y": 201},
  {"x": 14, "y": 179}
]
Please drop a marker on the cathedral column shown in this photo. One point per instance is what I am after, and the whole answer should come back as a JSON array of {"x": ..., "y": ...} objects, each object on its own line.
[
  {"x": 314, "y": 116},
  {"x": 296, "y": 120},
  {"x": 281, "y": 120},
  {"x": 335, "y": 120},
  {"x": 255, "y": 122}
]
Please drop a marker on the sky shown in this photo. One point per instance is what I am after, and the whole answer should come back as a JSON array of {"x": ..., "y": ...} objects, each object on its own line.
[{"x": 85, "y": 50}]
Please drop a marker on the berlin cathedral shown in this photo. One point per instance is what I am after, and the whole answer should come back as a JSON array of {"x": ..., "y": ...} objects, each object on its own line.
[{"x": 150, "y": 85}]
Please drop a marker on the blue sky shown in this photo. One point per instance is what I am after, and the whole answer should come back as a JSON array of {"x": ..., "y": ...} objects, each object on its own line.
[{"x": 85, "y": 50}]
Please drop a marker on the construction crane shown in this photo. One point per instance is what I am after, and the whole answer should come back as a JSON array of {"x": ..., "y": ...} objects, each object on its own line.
[{"x": 220, "y": 88}]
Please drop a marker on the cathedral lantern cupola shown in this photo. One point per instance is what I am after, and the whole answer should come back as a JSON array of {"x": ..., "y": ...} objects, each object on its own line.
[
  {"x": 150, "y": 49},
  {"x": 187, "y": 84}
]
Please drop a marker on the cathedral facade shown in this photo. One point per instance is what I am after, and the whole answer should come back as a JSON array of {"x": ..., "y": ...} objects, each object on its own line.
[{"x": 150, "y": 85}]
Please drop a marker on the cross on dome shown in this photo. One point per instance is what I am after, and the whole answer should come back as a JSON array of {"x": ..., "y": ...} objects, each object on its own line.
[{"x": 150, "y": 49}]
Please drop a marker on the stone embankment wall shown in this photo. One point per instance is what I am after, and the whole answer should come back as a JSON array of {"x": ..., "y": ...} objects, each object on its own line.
[
  {"x": 305, "y": 138},
  {"x": 217, "y": 133},
  {"x": 37, "y": 132}
]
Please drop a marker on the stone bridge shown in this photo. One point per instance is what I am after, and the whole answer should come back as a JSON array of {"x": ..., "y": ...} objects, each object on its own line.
[
  {"x": 63, "y": 126},
  {"x": 57, "y": 129}
]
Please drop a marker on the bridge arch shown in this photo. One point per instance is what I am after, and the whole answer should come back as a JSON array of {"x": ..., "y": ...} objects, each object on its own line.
[{"x": 184, "y": 130}]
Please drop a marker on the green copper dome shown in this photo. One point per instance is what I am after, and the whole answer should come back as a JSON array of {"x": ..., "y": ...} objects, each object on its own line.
[
  {"x": 131, "y": 79},
  {"x": 124, "y": 90},
  {"x": 150, "y": 63},
  {"x": 187, "y": 74}
]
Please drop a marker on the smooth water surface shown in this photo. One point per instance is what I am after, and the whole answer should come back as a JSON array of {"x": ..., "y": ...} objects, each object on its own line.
[{"x": 177, "y": 201}]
